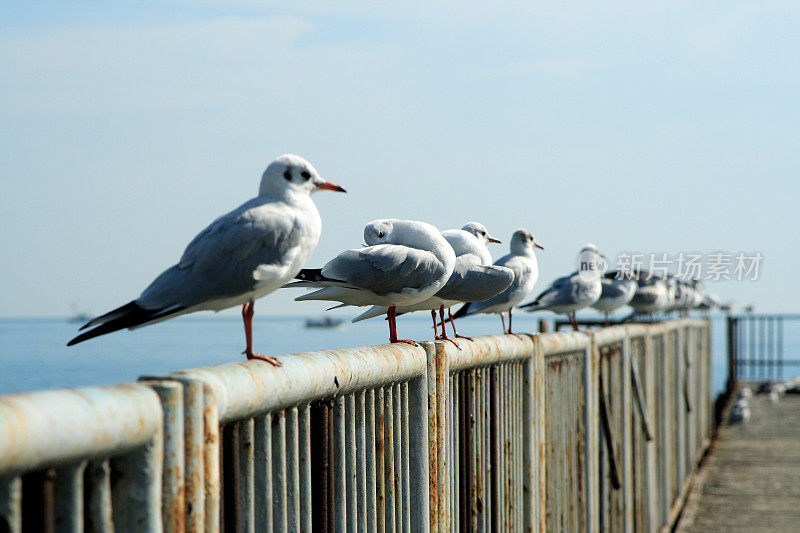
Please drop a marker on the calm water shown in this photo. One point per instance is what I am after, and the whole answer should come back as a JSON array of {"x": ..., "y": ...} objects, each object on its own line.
[{"x": 33, "y": 352}]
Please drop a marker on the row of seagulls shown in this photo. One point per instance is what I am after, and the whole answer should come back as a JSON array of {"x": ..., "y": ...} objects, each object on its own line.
[{"x": 405, "y": 266}]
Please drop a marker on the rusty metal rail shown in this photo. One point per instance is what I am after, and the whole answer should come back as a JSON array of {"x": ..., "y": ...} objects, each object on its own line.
[{"x": 557, "y": 431}]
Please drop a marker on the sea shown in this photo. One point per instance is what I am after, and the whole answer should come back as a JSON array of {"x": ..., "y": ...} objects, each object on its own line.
[{"x": 34, "y": 354}]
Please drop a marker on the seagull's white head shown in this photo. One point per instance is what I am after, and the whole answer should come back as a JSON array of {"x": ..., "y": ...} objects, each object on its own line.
[
  {"x": 292, "y": 174},
  {"x": 523, "y": 243},
  {"x": 378, "y": 232},
  {"x": 479, "y": 230}
]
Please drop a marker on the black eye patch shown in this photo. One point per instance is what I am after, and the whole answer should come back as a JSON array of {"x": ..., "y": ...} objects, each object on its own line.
[
  {"x": 287, "y": 175},
  {"x": 306, "y": 175}
]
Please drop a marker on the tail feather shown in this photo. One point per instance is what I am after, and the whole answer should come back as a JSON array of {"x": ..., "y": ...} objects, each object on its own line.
[
  {"x": 463, "y": 311},
  {"x": 118, "y": 312},
  {"x": 128, "y": 316}
]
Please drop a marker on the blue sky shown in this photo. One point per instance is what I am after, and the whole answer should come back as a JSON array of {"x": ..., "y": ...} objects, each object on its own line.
[{"x": 126, "y": 127}]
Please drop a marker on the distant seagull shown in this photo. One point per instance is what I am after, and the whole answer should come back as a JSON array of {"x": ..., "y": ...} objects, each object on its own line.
[
  {"x": 652, "y": 295},
  {"x": 522, "y": 261},
  {"x": 474, "y": 279},
  {"x": 574, "y": 292},
  {"x": 404, "y": 263},
  {"x": 240, "y": 257},
  {"x": 749, "y": 309},
  {"x": 617, "y": 291}
]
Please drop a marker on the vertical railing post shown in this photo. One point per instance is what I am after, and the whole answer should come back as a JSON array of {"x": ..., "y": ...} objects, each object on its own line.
[
  {"x": 136, "y": 494},
  {"x": 171, "y": 395},
  {"x": 679, "y": 466},
  {"x": 442, "y": 416},
  {"x": 733, "y": 355},
  {"x": 651, "y": 473},
  {"x": 592, "y": 419},
  {"x": 419, "y": 451},
  {"x": 626, "y": 450},
  {"x": 11, "y": 504},
  {"x": 534, "y": 486}
]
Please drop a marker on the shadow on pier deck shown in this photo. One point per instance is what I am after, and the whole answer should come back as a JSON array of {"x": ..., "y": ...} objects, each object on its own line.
[{"x": 751, "y": 479}]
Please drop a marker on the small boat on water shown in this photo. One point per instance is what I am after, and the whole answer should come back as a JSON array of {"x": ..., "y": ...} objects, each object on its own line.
[
  {"x": 324, "y": 322},
  {"x": 78, "y": 316}
]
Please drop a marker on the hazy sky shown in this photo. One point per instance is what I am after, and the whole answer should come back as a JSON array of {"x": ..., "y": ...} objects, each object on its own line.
[{"x": 126, "y": 127}]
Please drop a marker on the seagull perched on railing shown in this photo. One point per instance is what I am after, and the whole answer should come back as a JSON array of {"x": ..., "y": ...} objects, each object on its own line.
[
  {"x": 474, "y": 278},
  {"x": 574, "y": 292},
  {"x": 618, "y": 289},
  {"x": 242, "y": 256},
  {"x": 404, "y": 263},
  {"x": 652, "y": 296},
  {"x": 522, "y": 261}
]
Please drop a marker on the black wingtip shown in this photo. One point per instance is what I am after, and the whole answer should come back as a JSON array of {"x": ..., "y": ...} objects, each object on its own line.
[
  {"x": 310, "y": 274},
  {"x": 462, "y": 311},
  {"x": 127, "y": 316}
]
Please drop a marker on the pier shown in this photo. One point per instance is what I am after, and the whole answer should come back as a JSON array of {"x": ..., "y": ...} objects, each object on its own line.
[{"x": 596, "y": 430}]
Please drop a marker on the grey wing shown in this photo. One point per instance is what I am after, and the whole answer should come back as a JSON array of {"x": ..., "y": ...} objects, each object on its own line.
[
  {"x": 613, "y": 290},
  {"x": 473, "y": 282},
  {"x": 561, "y": 291},
  {"x": 385, "y": 268},
  {"x": 220, "y": 262}
]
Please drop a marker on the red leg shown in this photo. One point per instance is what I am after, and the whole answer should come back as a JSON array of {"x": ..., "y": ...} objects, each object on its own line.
[
  {"x": 573, "y": 321},
  {"x": 453, "y": 324},
  {"x": 444, "y": 336},
  {"x": 392, "y": 315},
  {"x": 435, "y": 326},
  {"x": 607, "y": 322},
  {"x": 248, "y": 310}
]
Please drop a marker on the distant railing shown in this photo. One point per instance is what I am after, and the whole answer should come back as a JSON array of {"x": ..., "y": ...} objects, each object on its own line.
[
  {"x": 556, "y": 431},
  {"x": 756, "y": 347}
]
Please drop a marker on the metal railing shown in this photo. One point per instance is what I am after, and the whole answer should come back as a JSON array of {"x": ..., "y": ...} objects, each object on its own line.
[
  {"x": 756, "y": 347},
  {"x": 557, "y": 431}
]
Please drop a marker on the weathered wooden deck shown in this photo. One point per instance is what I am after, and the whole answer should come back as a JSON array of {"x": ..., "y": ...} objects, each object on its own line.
[{"x": 751, "y": 479}]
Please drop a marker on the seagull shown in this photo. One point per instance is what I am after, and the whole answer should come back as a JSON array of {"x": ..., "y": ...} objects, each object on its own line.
[
  {"x": 242, "y": 256},
  {"x": 404, "y": 263},
  {"x": 576, "y": 291},
  {"x": 474, "y": 279},
  {"x": 522, "y": 261},
  {"x": 652, "y": 295},
  {"x": 618, "y": 289}
]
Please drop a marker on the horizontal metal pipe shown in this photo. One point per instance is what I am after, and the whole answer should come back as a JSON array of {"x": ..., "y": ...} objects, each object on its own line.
[
  {"x": 246, "y": 388},
  {"x": 555, "y": 343},
  {"x": 56, "y": 428},
  {"x": 487, "y": 350}
]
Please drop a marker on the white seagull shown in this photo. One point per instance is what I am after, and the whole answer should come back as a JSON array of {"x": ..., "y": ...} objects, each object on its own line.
[
  {"x": 522, "y": 261},
  {"x": 579, "y": 290},
  {"x": 405, "y": 262},
  {"x": 474, "y": 279},
  {"x": 618, "y": 289},
  {"x": 242, "y": 256},
  {"x": 652, "y": 295}
]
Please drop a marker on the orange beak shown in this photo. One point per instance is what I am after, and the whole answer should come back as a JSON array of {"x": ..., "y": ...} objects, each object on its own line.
[
  {"x": 492, "y": 239},
  {"x": 330, "y": 186},
  {"x": 539, "y": 246}
]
